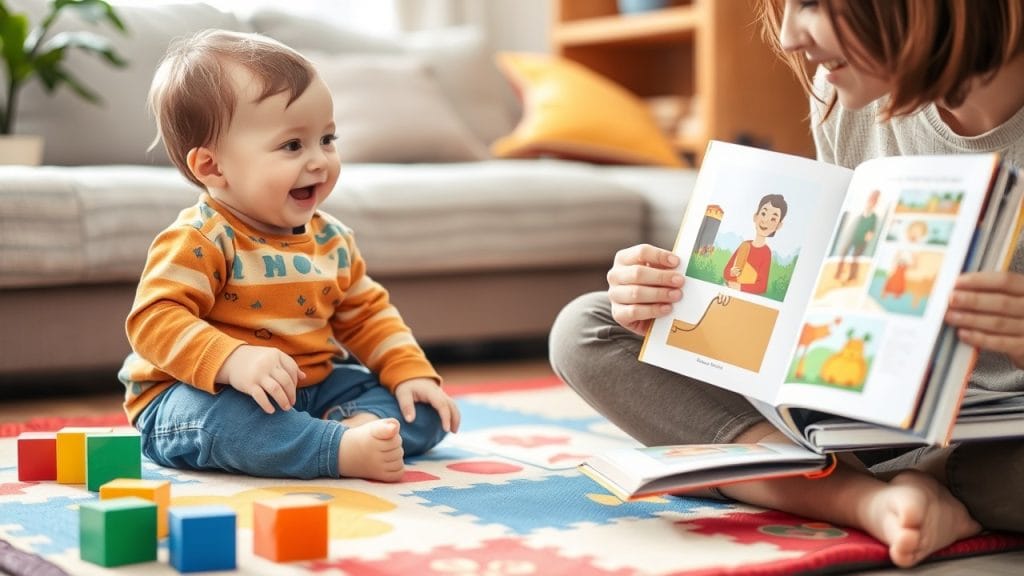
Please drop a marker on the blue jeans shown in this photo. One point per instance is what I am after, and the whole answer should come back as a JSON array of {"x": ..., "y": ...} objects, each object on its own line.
[{"x": 185, "y": 427}]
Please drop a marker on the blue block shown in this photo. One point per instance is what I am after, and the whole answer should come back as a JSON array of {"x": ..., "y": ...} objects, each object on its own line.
[{"x": 202, "y": 538}]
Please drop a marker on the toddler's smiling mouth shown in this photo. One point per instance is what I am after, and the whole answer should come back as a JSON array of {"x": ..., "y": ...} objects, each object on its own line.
[{"x": 304, "y": 193}]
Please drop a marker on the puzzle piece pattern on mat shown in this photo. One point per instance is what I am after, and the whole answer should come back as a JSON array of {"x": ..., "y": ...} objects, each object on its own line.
[{"x": 501, "y": 497}]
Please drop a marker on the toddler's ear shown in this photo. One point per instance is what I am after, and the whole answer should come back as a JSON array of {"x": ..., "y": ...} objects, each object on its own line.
[{"x": 203, "y": 165}]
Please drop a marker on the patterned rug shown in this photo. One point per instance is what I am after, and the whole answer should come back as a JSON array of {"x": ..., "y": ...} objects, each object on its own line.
[{"x": 500, "y": 497}]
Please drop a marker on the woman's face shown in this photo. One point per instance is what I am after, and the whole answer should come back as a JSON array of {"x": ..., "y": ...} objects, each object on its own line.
[{"x": 807, "y": 28}]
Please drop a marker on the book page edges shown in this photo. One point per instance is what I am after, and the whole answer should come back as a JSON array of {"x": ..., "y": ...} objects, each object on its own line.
[
  {"x": 670, "y": 486},
  {"x": 1009, "y": 248}
]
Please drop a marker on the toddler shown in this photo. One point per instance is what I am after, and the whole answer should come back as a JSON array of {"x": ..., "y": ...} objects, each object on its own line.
[{"x": 252, "y": 300}]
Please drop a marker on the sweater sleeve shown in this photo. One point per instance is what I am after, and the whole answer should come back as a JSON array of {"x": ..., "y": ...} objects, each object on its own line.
[
  {"x": 183, "y": 275},
  {"x": 370, "y": 327}
]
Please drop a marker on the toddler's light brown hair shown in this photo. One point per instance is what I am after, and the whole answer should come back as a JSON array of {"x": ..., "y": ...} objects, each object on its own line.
[{"x": 193, "y": 98}]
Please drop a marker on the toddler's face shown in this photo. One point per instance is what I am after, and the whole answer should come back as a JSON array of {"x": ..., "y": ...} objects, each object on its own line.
[{"x": 278, "y": 160}]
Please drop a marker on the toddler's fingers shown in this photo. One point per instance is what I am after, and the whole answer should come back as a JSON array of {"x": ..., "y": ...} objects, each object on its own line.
[
  {"x": 261, "y": 398},
  {"x": 456, "y": 416},
  {"x": 444, "y": 411},
  {"x": 407, "y": 405},
  {"x": 281, "y": 387},
  {"x": 276, "y": 391},
  {"x": 294, "y": 374}
]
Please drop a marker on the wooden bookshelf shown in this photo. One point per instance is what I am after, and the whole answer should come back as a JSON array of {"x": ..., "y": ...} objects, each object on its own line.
[
  {"x": 669, "y": 25},
  {"x": 707, "y": 52}
]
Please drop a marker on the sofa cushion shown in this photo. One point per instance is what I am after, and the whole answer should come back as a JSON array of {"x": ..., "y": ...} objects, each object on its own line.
[
  {"x": 457, "y": 56},
  {"x": 119, "y": 130},
  {"x": 492, "y": 215},
  {"x": 572, "y": 112},
  {"x": 466, "y": 70},
  {"x": 70, "y": 225},
  {"x": 389, "y": 108},
  {"x": 306, "y": 33},
  {"x": 87, "y": 224},
  {"x": 666, "y": 192}
]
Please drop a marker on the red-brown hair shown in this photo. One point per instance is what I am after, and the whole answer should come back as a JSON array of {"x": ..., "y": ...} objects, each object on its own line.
[
  {"x": 193, "y": 100},
  {"x": 930, "y": 49}
]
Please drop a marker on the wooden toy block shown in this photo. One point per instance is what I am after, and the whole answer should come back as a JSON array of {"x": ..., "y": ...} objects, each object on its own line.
[
  {"x": 156, "y": 491},
  {"x": 37, "y": 456},
  {"x": 290, "y": 528},
  {"x": 71, "y": 453},
  {"x": 202, "y": 538},
  {"x": 117, "y": 531},
  {"x": 112, "y": 455}
]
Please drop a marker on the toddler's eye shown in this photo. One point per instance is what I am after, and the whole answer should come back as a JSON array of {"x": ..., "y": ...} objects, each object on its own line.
[
  {"x": 328, "y": 139},
  {"x": 292, "y": 146}
]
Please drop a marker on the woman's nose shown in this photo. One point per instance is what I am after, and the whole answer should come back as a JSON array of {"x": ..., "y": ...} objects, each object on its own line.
[{"x": 792, "y": 37}]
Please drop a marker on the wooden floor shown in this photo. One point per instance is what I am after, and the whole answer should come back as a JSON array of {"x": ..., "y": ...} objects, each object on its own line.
[{"x": 95, "y": 402}]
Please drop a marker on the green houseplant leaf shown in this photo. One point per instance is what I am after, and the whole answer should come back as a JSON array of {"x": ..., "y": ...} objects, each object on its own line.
[{"x": 31, "y": 52}]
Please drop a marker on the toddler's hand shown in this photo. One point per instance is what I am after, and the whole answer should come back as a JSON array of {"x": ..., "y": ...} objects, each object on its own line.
[
  {"x": 427, "y": 391},
  {"x": 262, "y": 371},
  {"x": 642, "y": 285},
  {"x": 988, "y": 310}
]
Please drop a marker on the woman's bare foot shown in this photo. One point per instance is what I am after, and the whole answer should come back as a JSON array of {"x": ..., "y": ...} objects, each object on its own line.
[
  {"x": 915, "y": 516},
  {"x": 373, "y": 451}
]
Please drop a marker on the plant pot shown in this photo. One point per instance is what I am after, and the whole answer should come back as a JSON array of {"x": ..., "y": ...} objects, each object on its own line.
[{"x": 24, "y": 149}]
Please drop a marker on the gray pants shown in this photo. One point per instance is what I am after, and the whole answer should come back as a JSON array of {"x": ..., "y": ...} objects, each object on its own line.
[{"x": 598, "y": 358}]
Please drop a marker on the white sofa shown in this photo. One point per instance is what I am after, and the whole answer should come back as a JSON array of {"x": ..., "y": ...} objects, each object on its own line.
[{"x": 473, "y": 249}]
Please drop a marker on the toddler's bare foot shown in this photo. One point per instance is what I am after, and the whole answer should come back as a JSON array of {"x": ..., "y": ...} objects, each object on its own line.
[
  {"x": 915, "y": 516},
  {"x": 372, "y": 451}
]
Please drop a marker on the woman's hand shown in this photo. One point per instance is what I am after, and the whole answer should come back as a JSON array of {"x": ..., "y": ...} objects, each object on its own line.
[
  {"x": 642, "y": 285},
  {"x": 987, "y": 308}
]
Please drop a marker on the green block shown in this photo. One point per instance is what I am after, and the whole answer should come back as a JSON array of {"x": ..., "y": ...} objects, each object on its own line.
[
  {"x": 117, "y": 531},
  {"x": 111, "y": 456}
]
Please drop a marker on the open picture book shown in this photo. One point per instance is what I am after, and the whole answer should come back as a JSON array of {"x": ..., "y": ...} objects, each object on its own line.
[{"x": 819, "y": 293}]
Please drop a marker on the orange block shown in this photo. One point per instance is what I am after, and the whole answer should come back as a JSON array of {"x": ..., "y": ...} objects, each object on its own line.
[
  {"x": 71, "y": 453},
  {"x": 290, "y": 528},
  {"x": 156, "y": 491}
]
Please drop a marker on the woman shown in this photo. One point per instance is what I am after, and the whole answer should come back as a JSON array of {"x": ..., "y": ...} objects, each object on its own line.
[{"x": 894, "y": 77}]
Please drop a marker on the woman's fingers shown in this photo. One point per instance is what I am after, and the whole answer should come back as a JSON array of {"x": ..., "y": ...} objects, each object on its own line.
[
  {"x": 635, "y": 294},
  {"x": 638, "y": 275},
  {"x": 1010, "y": 283},
  {"x": 646, "y": 254},
  {"x": 630, "y": 316}
]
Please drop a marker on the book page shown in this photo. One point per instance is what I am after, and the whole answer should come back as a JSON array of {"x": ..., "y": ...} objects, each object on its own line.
[
  {"x": 870, "y": 332},
  {"x": 753, "y": 236},
  {"x": 635, "y": 472}
]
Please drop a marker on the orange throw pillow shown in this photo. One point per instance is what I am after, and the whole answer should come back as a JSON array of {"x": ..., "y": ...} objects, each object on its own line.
[{"x": 572, "y": 112}]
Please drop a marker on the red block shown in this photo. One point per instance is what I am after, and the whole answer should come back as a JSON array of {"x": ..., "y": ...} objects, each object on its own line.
[{"x": 37, "y": 456}]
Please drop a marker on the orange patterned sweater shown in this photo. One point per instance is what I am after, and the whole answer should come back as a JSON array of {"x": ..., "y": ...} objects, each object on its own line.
[{"x": 212, "y": 283}]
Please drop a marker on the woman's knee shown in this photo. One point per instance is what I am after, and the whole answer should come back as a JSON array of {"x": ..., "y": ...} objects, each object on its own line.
[{"x": 575, "y": 329}]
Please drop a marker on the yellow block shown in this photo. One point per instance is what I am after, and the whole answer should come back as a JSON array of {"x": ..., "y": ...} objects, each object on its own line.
[
  {"x": 71, "y": 453},
  {"x": 156, "y": 491}
]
